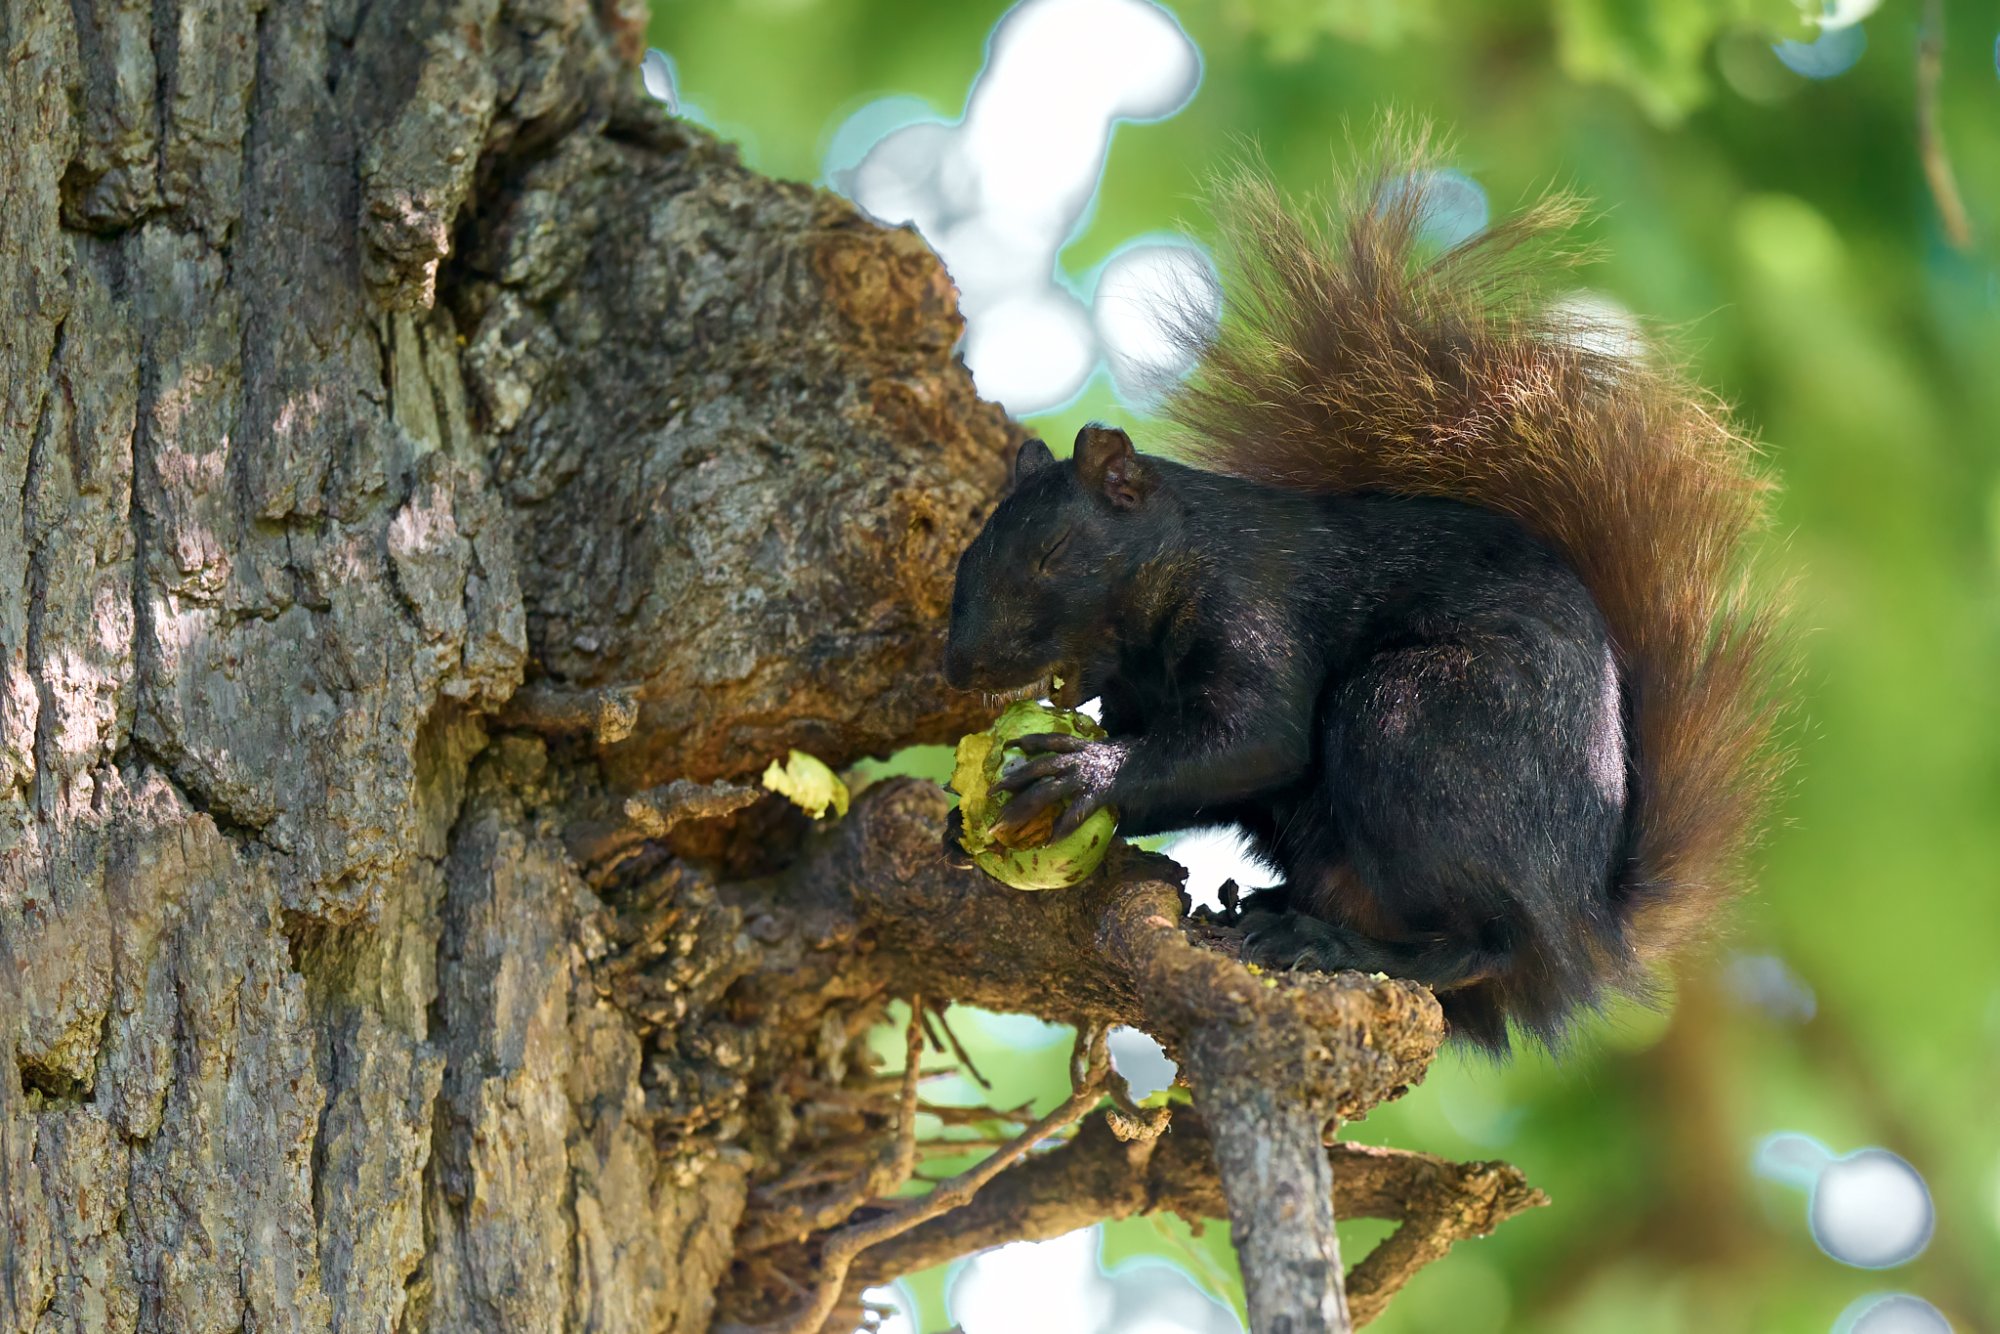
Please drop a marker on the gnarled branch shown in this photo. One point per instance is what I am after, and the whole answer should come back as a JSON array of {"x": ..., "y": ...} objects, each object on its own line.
[
  {"x": 1273, "y": 1059},
  {"x": 1096, "y": 1177}
]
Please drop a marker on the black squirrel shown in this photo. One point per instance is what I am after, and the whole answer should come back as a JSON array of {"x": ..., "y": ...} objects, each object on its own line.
[{"x": 1447, "y": 607}]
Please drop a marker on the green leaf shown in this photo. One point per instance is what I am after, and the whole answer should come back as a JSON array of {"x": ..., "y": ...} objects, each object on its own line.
[
  {"x": 1658, "y": 53},
  {"x": 1293, "y": 27},
  {"x": 808, "y": 784},
  {"x": 1174, "y": 1095}
]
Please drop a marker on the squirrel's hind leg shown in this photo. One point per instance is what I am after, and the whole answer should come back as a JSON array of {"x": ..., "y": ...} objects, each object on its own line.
[{"x": 1294, "y": 939}]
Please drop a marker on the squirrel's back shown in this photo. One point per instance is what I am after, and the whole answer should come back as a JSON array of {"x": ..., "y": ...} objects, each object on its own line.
[{"x": 1353, "y": 357}]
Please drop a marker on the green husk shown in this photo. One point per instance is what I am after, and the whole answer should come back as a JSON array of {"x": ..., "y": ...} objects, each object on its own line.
[{"x": 978, "y": 764}]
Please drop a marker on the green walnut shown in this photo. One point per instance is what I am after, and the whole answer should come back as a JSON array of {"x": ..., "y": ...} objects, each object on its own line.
[{"x": 980, "y": 757}]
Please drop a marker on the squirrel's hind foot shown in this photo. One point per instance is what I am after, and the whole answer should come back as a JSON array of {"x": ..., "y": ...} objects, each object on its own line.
[{"x": 1293, "y": 940}]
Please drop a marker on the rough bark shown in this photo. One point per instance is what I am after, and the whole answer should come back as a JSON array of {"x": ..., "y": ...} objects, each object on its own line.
[
  {"x": 359, "y": 361},
  {"x": 1280, "y": 1192},
  {"x": 432, "y": 484}
]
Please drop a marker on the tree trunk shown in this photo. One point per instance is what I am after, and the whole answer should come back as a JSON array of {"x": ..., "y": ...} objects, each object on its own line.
[
  {"x": 360, "y": 361},
  {"x": 430, "y": 480}
]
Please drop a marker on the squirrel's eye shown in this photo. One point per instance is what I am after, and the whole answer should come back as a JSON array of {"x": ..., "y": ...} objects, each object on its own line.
[{"x": 1055, "y": 549}]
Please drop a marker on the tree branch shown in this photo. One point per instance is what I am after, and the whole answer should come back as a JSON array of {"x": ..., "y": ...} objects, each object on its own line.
[
  {"x": 1938, "y": 171},
  {"x": 890, "y": 1170},
  {"x": 1273, "y": 1059},
  {"x": 1438, "y": 1202},
  {"x": 1096, "y": 1177},
  {"x": 871, "y": 904},
  {"x": 1280, "y": 1192}
]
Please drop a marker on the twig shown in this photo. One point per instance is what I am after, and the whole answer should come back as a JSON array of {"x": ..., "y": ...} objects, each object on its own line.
[
  {"x": 1088, "y": 1067},
  {"x": 972, "y": 1116},
  {"x": 805, "y": 1178},
  {"x": 930, "y": 1031},
  {"x": 1930, "y": 129},
  {"x": 657, "y": 810},
  {"x": 615, "y": 830},
  {"x": 1442, "y": 1203},
  {"x": 898, "y": 1170},
  {"x": 945, "y": 1113},
  {"x": 1096, "y": 1177},
  {"x": 892, "y": 1169},
  {"x": 945, "y": 1148},
  {"x": 959, "y": 1053},
  {"x": 1128, "y": 1120}
]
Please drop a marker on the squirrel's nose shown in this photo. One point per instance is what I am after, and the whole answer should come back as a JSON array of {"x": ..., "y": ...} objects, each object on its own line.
[{"x": 959, "y": 666}]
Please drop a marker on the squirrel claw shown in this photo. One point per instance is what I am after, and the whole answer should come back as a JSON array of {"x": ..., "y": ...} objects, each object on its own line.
[
  {"x": 1032, "y": 773},
  {"x": 1290, "y": 941},
  {"x": 1028, "y": 818},
  {"x": 1080, "y": 809},
  {"x": 1061, "y": 743},
  {"x": 955, "y": 855},
  {"x": 1231, "y": 895}
]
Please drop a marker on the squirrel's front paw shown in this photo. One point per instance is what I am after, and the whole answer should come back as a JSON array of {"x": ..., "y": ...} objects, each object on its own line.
[{"x": 1070, "y": 774}]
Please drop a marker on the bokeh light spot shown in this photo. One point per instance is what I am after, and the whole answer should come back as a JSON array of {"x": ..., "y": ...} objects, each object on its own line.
[
  {"x": 898, "y": 1317},
  {"x": 1744, "y": 58},
  {"x": 658, "y": 72},
  {"x": 1454, "y": 206},
  {"x": 1051, "y": 1287},
  {"x": 1870, "y": 1209},
  {"x": 1789, "y": 240},
  {"x": 1214, "y": 855},
  {"x": 1795, "y": 1160},
  {"x": 1144, "y": 1063},
  {"x": 865, "y": 127},
  {"x": 1598, "y": 323},
  {"x": 1150, "y": 300},
  {"x": 1834, "y": 51},
  {"x": 1763, "y": 982},
  {"x": 1035, "y": 348},
  {"x": 1892, "y": 1313},
  {"x": 1842, "y": 13},
  {"x": 1001, "y": 191}
]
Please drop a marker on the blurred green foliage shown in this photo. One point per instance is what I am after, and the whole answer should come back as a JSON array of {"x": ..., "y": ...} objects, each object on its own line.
[{"x": 1786, "y": 229}]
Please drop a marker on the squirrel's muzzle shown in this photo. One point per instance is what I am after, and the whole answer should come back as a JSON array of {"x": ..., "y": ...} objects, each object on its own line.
[
  {"x": 971, "y": 666},
  {"x": 961, "y": 668}
]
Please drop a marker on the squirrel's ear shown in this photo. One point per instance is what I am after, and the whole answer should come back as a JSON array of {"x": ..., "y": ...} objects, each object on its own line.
[
  {"x": 1107, "y": 464},
  {"x": 1031, "y": 458}
]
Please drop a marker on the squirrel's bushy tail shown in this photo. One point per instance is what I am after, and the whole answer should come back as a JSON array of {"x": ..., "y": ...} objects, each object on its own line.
[{"x": 1354, "y": 356}]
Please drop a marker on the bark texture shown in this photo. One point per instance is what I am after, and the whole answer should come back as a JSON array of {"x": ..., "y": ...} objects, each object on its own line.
[
  {"x": 358, "y": 364},
  {"x": 432, "y": 484}
]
